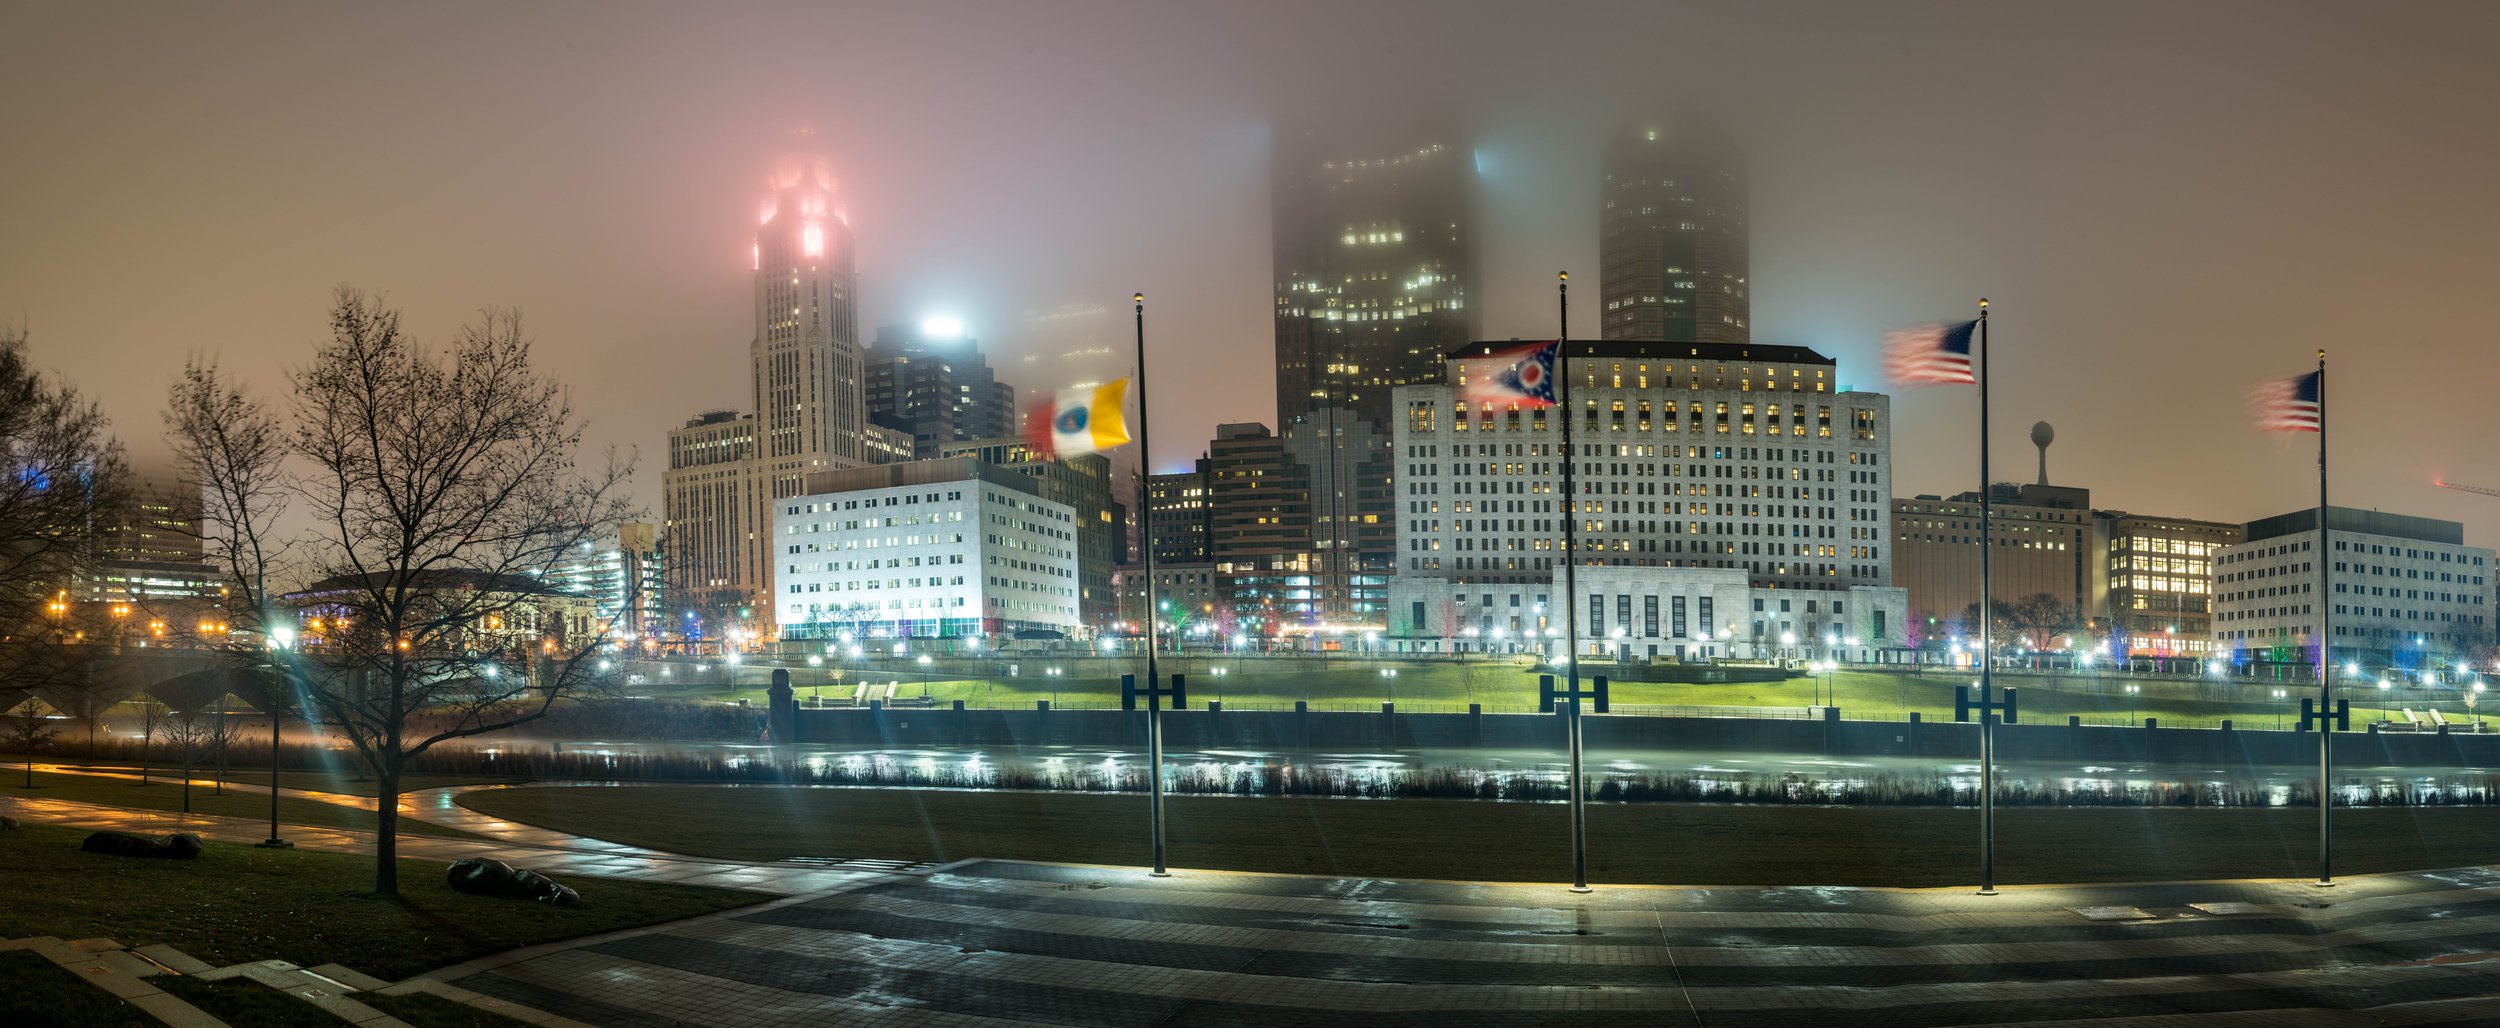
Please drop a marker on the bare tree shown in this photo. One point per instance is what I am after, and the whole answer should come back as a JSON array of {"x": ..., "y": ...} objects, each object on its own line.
[
  {"x": 444, "y": 483},
  {"x": 151, "y": 720},
  {"x": 58, "y": 470},
  {"x": 25, "y": 731}
]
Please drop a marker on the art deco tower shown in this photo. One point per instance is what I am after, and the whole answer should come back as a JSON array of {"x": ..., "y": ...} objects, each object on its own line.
[
  {"x": 810, "y": 405},
  {"x": 726, "y": 468},
  {"x": 1676, "y": 248}
]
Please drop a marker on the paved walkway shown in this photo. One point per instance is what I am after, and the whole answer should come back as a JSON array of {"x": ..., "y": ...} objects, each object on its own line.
[
  {"x": 521, "y": 845},
  {"x": 993, "y": 943},
  {"x": 998, "y": 942}
]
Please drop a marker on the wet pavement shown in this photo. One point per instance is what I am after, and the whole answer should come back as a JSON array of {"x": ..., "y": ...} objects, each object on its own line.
[
  {"x": 995, "y": 942},
  {"x": 1001, "y": 942},
  {"x": 520, "y": 845}
]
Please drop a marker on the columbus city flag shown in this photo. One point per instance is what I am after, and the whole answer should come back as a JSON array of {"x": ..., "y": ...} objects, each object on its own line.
[{"x": 1078, "y": 421}]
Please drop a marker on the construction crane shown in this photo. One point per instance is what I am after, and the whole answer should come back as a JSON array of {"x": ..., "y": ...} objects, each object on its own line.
[{"x": 2475, "y": 489}]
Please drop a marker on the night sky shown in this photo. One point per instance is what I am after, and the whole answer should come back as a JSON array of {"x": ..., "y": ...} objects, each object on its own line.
[{"x": 2165, "y": 202}]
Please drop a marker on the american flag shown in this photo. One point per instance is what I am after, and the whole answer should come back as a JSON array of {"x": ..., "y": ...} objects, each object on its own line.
[
  {"x": 2288, "y": 404},
  {"x": 1929, "y": 355}
]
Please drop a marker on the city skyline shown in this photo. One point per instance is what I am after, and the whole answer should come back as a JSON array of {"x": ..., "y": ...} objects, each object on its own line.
[{"x": 2085, "y": 229}]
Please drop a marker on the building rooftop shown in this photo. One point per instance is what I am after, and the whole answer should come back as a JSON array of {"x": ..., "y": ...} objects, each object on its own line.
[
  {"x": 2360, "y": 522},
  {"x": 1768, "y": 353}
]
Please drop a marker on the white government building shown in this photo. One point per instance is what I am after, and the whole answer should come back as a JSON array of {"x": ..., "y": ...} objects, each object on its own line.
[
  {"x": 937, "y": 548},
  {"x": 1734, "y": 502},
  {"x": 2401, "y": 586}
]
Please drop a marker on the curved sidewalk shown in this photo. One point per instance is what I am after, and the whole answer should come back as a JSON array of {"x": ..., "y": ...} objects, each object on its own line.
[{"x": 518, "y": 844}]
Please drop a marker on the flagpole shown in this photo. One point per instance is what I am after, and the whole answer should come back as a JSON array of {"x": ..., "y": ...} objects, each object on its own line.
[
  {"x": 1571, "y": 583},
  {"x": 2326, "y": 681},
  {"x": 1146, "y": 548},
  {"x": 1987, "y": 611}
]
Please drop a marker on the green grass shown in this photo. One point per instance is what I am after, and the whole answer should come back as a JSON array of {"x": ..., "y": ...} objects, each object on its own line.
[
  {"x": 237, "y": 904},
  {"x": 1506, "y": 686},
  {"x": 426, "y": 1010},
  {"x": 165, "y": 795},
  {"x": 1445, "y": 839},
  {"x": 35, "y": 991},
  {"x": 243, "y": 1001}
]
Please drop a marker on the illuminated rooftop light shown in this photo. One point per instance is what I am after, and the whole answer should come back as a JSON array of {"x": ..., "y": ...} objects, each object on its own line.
[{"x": 942, "y": 326}]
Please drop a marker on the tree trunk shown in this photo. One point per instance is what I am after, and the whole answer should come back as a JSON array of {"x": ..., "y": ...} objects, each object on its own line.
[{"x": 386, "y": 839}]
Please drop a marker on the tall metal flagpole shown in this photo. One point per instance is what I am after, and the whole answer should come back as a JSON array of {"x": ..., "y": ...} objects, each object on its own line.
[
  {"x": 1146, "y": 549},
  {"x": 1571, "y": 584},
  {"x": 2326, "y": 682},
  {"x": 1987, "y": 612}
]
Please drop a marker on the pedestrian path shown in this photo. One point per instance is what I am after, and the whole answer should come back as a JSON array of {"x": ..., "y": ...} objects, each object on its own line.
[
  {"x": 995, "y": 942},
  {"x": 520, "y": 845}
]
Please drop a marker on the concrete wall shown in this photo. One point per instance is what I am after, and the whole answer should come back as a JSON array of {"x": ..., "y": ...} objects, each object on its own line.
[{"x": 1365, "y": 731}]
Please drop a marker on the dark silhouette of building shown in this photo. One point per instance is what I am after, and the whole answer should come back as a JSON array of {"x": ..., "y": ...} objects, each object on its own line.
[
  {"x": 1375, "y": 270},
  {"x": 1180, "y": 515},
  {"x": 1675, "y": 244},
  {"x": 937, "y": 388}
]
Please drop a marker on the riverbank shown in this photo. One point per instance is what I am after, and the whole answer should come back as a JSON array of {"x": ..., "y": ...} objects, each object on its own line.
[{"x": 1453, "y": 839}]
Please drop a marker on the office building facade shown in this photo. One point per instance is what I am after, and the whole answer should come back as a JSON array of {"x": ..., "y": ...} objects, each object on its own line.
[
  {"x": 1728, "y": 457},
  {"x": 937, "y": 388},
  {"x": 2043, "y": 544},
  {"x": 1374, "y": 270},
  {"x": 947, "y": 548},
  {"x": 2404, "y": 590},
  {"x": 1676, "y": 247},
  {"x": 2153, "y": 583},
  {"x": 1085, "y": 484}
]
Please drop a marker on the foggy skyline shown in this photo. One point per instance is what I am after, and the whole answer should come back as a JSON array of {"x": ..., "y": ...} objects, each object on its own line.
[{"x": 2163, "y": 205}]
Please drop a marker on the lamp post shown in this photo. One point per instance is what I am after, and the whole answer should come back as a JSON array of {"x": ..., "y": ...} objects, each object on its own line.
[{"x": 281, "y": 641}]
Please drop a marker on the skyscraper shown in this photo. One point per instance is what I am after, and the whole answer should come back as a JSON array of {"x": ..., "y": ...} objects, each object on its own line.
[
  {"x": 1375, "y": 271},
  {"x": 811, "y": 411},
  {"x": 1675, "y": 243},
  {"x": 809, "y": 406},
  {"x": 937, "y": 387}
]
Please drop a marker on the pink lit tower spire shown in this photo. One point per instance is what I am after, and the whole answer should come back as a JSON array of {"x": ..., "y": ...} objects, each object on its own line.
[{"x": 810, "y": 405}]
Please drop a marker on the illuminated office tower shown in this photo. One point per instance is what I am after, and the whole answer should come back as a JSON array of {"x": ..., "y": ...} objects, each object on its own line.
[{"x": 1675, "y": 244}]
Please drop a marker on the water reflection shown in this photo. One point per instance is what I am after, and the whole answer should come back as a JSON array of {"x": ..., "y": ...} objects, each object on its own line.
[{"x": 1524, "y": 774}]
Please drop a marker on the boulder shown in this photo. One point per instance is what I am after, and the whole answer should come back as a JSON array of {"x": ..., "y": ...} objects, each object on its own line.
[
  {"x": 180, "y": 846},
  {"x": 478, "y": 876}
]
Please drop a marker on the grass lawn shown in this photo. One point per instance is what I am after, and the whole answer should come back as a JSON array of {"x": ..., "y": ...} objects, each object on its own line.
[
  {"x": 1646, "y": 843},
  {"x": 167, "y": 795},
  {"x": 237, "y": 904},
  {"x": 1502, "y": 686},
  {"x": 34, "y": 990}
]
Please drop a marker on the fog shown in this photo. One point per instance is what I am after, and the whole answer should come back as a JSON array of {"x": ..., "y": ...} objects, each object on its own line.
[{"x": 2165, "y": 203}]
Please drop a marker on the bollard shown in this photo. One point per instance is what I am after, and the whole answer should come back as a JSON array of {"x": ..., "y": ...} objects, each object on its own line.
[
  {"x": 1301, "y": 707},
  {"x": 959, "y": 706},
  {"x": 1041, "y": 706},
  {"x": 1388, "y": 708},
  {"x": 1215, "y": 706},
  {"x": 2074, "y": 720}
]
